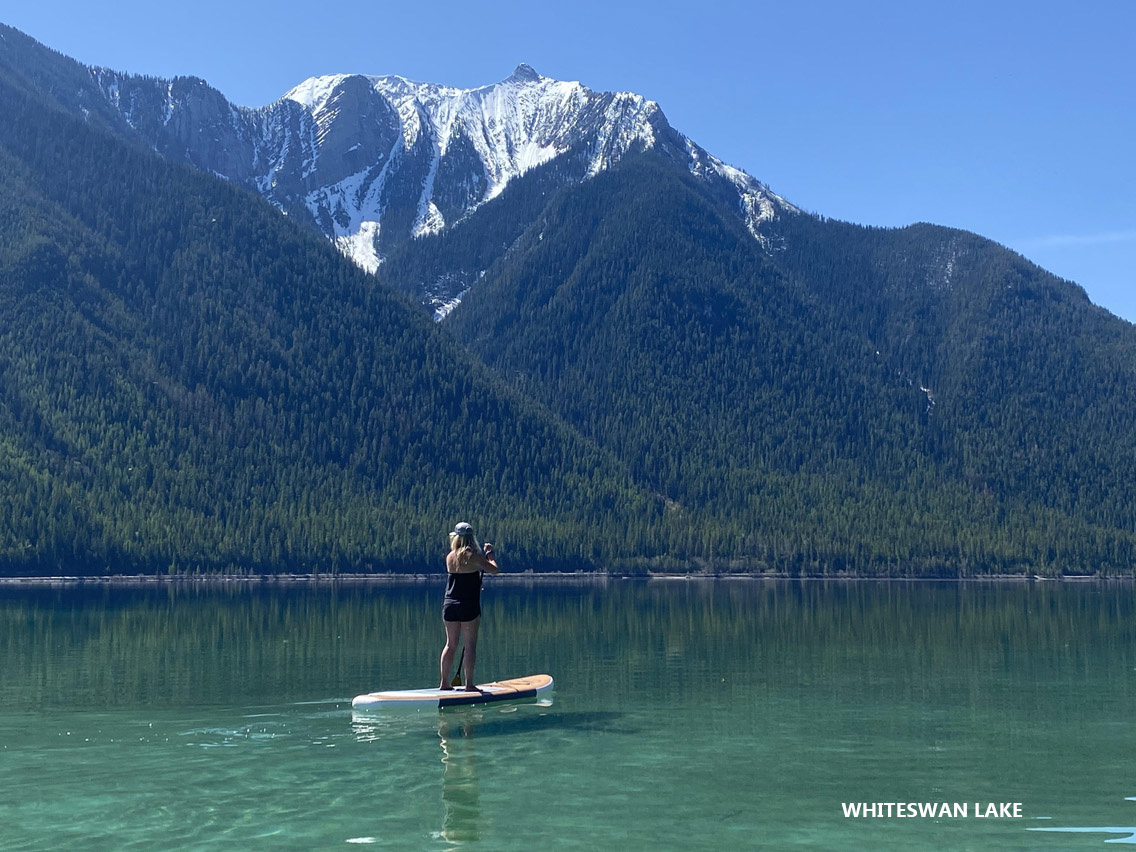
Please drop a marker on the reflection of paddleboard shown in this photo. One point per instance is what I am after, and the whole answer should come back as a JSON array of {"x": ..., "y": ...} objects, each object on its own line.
[{"x": 500, "y": 690}]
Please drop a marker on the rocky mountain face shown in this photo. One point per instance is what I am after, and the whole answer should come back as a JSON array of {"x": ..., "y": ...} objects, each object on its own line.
[{"x": 375, "y": 161}]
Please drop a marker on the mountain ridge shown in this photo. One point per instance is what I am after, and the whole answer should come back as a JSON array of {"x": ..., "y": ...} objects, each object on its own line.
[{"x": 378, "y": 160}]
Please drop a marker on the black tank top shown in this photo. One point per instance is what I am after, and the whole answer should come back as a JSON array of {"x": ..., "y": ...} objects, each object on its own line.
[{"x": 463, "y": 588}]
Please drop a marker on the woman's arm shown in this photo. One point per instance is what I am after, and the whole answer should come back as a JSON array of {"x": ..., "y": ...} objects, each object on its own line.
[{"x": 490, "y": 560}]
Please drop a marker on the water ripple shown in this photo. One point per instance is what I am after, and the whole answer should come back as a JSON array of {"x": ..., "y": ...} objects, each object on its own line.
[{"x": 1108, "y": 829}]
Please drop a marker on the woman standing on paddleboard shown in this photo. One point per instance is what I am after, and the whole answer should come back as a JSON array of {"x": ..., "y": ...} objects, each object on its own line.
[{"x": 461, "y": 610}]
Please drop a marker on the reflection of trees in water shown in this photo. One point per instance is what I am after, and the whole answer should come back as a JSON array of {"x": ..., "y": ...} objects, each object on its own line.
[
  {"x": 96, "y": 646},
  {"x": 461, "y": 793}
]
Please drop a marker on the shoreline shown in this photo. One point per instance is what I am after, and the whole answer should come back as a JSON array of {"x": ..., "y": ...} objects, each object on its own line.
[{"x": 515, "y": 578}]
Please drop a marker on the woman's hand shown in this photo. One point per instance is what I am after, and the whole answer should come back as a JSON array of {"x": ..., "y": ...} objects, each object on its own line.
[{"x": 490, "y": 561}]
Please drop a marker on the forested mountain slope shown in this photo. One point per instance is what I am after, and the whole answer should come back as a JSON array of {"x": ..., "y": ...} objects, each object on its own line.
[
  {"x": 189, "y": 380},
  {"x": 834, "y": 396}
]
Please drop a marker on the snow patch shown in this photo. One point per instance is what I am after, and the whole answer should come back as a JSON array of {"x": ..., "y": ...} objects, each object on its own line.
[
  {"x": 443, "y": 309},
  {"x": 518, "y": 124},
  {"x": 430, "y": 221},
  {"x": 360, "y": 245},
  {"x": 930, "y": 397},
  {"x": 314, "y": 93},
  {"x": 942, "y": 268},
  {"x": 758, "y": 204}
]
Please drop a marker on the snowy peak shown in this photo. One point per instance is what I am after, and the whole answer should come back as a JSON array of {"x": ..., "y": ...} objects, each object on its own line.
[
  {"x": 314, "y": 93},
  {"x": 483, "y": 138},
  {"x": 377, "y": 160},
  {"x": 500, "y": 131},
  {"x": 524, "y": 73}
]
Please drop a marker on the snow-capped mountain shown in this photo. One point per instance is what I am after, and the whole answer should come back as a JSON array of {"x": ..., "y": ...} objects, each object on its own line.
[
  {"x": 460, "y": 147},
  {"x": 377, "y": 160}
]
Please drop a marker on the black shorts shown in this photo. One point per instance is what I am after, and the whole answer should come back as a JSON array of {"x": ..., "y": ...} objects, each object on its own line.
[{"x": 461, "y": 610}]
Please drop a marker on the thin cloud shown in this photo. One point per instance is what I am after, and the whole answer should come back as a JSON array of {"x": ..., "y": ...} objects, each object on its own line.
[{"x": 1079, "y": 240}]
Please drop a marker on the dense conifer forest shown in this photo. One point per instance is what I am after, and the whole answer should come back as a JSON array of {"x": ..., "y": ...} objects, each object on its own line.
[
  {"x": 837, "y": 397},
  {"x": 192, "y": 382}
]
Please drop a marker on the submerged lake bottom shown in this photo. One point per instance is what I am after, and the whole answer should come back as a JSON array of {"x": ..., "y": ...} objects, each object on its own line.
[{"x": 686, "y": 715}]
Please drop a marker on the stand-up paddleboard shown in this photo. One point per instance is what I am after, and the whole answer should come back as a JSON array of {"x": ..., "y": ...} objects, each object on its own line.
[{"x": 517, "y": 689}]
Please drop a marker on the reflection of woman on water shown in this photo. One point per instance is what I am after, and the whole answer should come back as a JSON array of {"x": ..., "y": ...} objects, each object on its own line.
[
  {"x": 461, "y": 793},
  {"x": 461, "y": 610}
]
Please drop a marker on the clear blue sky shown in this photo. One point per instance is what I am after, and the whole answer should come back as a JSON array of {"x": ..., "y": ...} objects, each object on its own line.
[{"x": 1012, "y": 119}]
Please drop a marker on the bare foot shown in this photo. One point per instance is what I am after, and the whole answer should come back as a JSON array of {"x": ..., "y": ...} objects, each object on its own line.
[
  {"x": 468, "y": 688},
  {"x": 445, "y": 687}
]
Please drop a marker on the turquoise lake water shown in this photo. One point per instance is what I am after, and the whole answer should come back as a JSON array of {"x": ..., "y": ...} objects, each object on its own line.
[{"x": 687, "y": 715}]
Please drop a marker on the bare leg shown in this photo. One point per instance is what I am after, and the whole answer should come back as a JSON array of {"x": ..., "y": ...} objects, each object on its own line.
[
  {"x": 469, "y": 638},
  {"x": 453, "y": 631}
]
